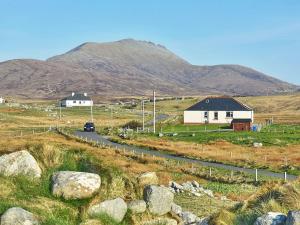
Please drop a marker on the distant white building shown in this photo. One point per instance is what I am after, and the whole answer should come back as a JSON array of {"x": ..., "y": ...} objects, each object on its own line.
[
  {"x": 2, "y": 100},
  {"x": 218, "y": 110},
  {"x": 76, "y": 99}
]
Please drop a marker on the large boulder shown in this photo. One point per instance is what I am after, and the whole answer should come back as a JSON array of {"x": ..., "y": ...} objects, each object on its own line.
[
  {"x": 116, "y": 209},
  {"x": 162, "y": 221},
  {"x": 293, "y": 218},
  {"x": 75, "y": 185},
  {"x": 18, "y": 216},
  {"x": 271, "y": 218},
  {"x": 137, "y": 206},
  {"x": 159, "y": 199},
  {"x": 147, "y": 178},
  {"x": 19, "y": 163}
]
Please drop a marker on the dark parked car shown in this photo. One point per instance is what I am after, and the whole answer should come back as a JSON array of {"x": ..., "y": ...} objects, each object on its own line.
[{"x": 89, "y": 127}]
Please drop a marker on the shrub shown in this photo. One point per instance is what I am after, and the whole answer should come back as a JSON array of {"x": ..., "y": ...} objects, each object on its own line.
[{"x": 132, "y": 124}]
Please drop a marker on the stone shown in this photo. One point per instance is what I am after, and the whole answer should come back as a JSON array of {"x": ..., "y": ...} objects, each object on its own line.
[
  {"x": 116, "y": 209},
  {"x": 75, "y": 185},
  {"x": 203, "y": 221},
  {"x": 19, "y": 163},
  {"x": 293, "y": 218},
  {"x": 18, "y": 216},
  {"x": 271, "y": 218},
  {"x": 137, "y": 206},
  {"x": 195, "y": 184},
  {"x": 257, "y": 145},
  {"x": 163, "y": 221},
  {"x": 176, "y": 186},
  {"x": 147, "y": 179},
  {"x": 189, "y": 218},
  {"x": 158, "y": 199},
  {"x": 176, "y": 209},
  {"x": 209, "y": 193}
]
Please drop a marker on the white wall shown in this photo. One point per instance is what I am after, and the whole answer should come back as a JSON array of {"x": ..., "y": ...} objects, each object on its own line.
[
  {"x": 2, "y": 100},
  {"x": 198, "y": 116},
  {"x": 71, "y": 103}
]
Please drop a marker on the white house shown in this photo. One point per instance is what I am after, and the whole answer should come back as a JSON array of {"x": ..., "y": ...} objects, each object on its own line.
[
  {"x": 2, "y": 100},
  {"x": 217, "y": 110},
  {"x": 76, "y": 99}
]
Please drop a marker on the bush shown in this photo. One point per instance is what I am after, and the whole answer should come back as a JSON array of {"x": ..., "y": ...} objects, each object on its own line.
[{"x": 132, "y": 124}]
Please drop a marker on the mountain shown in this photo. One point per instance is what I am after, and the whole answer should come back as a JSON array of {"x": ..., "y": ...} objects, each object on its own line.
[{"x": 129, "y": 67}]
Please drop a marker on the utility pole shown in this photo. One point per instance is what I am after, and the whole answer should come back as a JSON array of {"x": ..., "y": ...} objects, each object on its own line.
[
  {"x": 154, "y": 111},
  {"x": 143, "y": 109},
  {"x": 59, "y": 110}
]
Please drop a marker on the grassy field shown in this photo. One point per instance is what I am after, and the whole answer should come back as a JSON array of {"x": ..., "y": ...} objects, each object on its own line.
[{"x": 25, "y": 126}]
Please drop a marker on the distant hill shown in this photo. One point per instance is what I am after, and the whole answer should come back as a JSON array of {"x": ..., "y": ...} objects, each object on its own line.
[{"x": 129, "y": 67}]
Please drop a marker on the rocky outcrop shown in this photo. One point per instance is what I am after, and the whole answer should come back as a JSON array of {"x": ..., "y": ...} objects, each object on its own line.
[
  {"x": 293, "y": 218},
  {"x": 75, "y": 185},
  {"x": 18, "y": 216},
  {"x": 271, "y": 218},
  {"x": 192, "y": 187},
  {"x": 137, "y": 206},
  {"x": 116, "y": 209},
  {"x": 19, "y": 163},
  {"x": 158, "y": 199},
  {"x": 164, "y": 221},
  {"x": 147, "y": 179}
]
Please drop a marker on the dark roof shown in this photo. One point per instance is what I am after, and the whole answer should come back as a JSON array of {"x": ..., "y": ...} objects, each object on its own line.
[
  {"x": 78, "y": 96},
  {"x": 219, "y": 104},
  {"x": 241, "y": 121}
]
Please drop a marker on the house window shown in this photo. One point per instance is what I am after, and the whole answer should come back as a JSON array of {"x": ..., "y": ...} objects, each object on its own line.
[
  {"x": 74, "y": 101},
  {"x": 205, "y": 115},
  {"x": 79, "y": 102},
  {"x": 229, "y": 114},
  {"x": 216, "y": 115}
]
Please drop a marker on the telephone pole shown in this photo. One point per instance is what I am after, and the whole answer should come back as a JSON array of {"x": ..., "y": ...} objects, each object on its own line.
[
  {"x": 92, "y": 118},
  {"x": 154, "y": 111},
  {"x": 143, "y": 109}
]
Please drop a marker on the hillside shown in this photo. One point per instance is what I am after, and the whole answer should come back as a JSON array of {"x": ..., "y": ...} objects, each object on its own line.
[{"x": 129, "y": 67}]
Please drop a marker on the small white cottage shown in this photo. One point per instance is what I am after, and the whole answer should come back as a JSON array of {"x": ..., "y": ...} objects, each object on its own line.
[
  {"x": 2, "y": 100},
  {"x": 76, "y": 99},
  {"x": 218, "y": 110}
]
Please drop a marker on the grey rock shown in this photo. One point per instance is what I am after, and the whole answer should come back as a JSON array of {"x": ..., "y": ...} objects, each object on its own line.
[
  {"x": 293, "y": 218},
  {"x": 176, "y": 209},
  {"x": 75, "y": 185},
  {"x": 189, "y": 218},
  {"x": 19, "y": 163},
  {"x": 203, "y": 221},
  {"x": 137, "y": 206},
  {"x": 158, "y": 221},
  {"x": 195, "y": 184},
  {"x": 209, "y": 193},
  {"x": 115, "y": 208},
  {"x": 176, "y": 185},
  {"x": 271, "y": 218},
  {"x": 158, "y": 199},
  {"x": 18, "y": 216}
]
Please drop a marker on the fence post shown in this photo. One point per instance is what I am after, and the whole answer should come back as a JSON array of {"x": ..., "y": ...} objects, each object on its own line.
[
  {"x": 285, "y": 176},
  {"x": 256, "y": 175},
  {"x": 210, "y": 172}
]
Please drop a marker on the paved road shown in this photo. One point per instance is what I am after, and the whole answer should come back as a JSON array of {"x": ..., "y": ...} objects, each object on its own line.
[{"x": 92, "y": 136}]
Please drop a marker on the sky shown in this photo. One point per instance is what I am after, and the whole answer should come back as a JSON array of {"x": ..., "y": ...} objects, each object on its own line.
[{"x": 261, "y": 34}]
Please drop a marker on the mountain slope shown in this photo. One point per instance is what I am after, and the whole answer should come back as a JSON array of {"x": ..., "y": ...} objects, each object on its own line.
[{"x": 129, "y": 67}]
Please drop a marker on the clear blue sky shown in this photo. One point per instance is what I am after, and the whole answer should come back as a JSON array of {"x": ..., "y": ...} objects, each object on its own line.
[{"x": 263, "y": 34}]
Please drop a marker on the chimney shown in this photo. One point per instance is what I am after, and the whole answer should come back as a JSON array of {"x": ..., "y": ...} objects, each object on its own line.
[
  {"x": 85, "y": 94},
  {"x": 73, "y": 93}
]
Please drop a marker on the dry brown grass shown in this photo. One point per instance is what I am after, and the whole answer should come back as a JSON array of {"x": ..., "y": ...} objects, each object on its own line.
[{"x": 274, "y": 157}]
